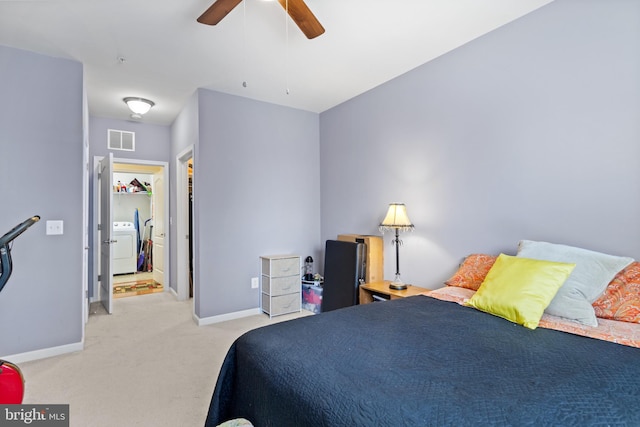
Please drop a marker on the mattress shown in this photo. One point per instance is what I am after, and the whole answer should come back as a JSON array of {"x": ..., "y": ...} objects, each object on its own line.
[{"x": 422, "y": 361}]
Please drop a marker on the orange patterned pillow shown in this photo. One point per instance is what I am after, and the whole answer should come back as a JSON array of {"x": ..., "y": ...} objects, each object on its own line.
[
  {"x": 472, "y": 271},
  {"x": 621, "y": 299}
]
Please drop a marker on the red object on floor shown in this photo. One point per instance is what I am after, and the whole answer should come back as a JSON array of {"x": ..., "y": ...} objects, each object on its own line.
[
  {"x": 11, "y": 384},
  {"x": 311, "y": 297}
]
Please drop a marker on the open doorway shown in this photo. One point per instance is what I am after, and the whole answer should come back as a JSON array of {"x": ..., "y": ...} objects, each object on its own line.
[
  {"x": 138, "y": 209},
  {"x": 134, "y": 216},
  {"x": 186, "y": 235}
]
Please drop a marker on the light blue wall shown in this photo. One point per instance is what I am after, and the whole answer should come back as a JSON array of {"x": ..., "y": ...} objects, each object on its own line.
[
  {"x": 530, "y": 132},
  {"x": 184, "y": 133},
  {"x": 153, "y": 142},
  {"x": 184, "y": 130},
  {"x": 41, "y": 135},
  {"x": 256, "y": 192}
]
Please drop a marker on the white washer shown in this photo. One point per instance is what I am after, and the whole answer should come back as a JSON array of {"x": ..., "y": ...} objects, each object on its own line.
[{"x": 125, "y": 256}]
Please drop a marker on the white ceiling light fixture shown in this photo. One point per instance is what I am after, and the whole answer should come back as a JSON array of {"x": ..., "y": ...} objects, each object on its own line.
[{"x": 138, "y": 106}]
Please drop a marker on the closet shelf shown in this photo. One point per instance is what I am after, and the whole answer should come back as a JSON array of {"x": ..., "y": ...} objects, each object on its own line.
[{"x": 131, "y": 194}]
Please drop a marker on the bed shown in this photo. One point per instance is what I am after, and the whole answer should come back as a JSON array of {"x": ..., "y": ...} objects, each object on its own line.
[{"x": 431, "y": 360}]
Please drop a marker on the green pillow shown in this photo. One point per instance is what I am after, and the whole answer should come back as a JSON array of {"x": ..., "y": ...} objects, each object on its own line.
[{"x": 519, "y": 289}]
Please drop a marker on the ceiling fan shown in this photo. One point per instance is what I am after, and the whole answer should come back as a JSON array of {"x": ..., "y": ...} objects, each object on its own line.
[{"x": 298, "y": 11}]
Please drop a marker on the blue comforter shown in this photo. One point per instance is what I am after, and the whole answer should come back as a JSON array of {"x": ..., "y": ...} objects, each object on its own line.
[{"x": 419, "y": 361}]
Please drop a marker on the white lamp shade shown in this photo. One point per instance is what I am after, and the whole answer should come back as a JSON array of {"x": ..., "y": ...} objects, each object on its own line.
[
  {"x": 139, "y": 105},
  {"x": 396, "y": 218}
]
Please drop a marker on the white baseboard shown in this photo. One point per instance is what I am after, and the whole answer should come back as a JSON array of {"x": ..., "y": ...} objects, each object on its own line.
[
  {"x": 224, "y": 317},
  {"x": 44, "y": 353}
]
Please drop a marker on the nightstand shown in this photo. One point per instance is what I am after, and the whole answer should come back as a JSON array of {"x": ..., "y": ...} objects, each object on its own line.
[{"x": 383, "y": 291}]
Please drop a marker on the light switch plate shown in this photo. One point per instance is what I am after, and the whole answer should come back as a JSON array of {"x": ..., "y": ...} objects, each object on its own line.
[{"x": 55, "y": 227}]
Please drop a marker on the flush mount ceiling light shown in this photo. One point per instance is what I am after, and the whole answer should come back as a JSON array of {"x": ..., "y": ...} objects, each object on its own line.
[{"x": 138, "y": 106}]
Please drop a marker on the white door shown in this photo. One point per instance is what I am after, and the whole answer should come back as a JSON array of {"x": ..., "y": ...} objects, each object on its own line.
[
  {"x": 159, "y": 227},
  {"x": 106, "y": 232}
]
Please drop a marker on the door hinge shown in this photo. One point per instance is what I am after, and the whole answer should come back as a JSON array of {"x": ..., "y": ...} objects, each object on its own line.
[
  {"x": 99, "y": 227},
  {"x": 99, "y": 278}
]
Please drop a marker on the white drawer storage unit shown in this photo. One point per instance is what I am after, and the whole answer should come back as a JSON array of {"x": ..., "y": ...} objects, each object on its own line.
[{"x": 281, "y": 284}]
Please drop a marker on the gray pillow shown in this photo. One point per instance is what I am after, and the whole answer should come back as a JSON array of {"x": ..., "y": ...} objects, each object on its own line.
[{"x": 589, "y": 279}]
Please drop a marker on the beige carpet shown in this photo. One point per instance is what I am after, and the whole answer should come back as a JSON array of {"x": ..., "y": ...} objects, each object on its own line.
[{"x": 148, "y": 364}]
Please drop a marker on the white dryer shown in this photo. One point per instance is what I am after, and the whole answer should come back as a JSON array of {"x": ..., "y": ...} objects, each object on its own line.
[{"x": 125, "y": 256}]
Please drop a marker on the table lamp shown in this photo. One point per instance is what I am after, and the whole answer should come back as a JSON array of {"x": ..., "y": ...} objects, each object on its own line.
[{"x": 397, "y": 220}]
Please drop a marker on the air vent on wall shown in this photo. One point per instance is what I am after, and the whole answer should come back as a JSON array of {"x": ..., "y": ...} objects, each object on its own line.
[{"x": 121, "y": 140}]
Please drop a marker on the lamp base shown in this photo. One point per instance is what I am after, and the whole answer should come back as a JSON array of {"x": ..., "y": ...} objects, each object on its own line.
[{"x": 397, "y": 284}]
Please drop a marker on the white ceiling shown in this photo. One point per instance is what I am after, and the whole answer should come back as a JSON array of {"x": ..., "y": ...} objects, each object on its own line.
[{"x": 156, "y": 49}]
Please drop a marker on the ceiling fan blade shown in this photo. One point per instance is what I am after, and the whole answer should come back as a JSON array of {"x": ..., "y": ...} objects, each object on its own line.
[
  {"x": 303, "y": 17},
  {"x": 217, "y": 11}
]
